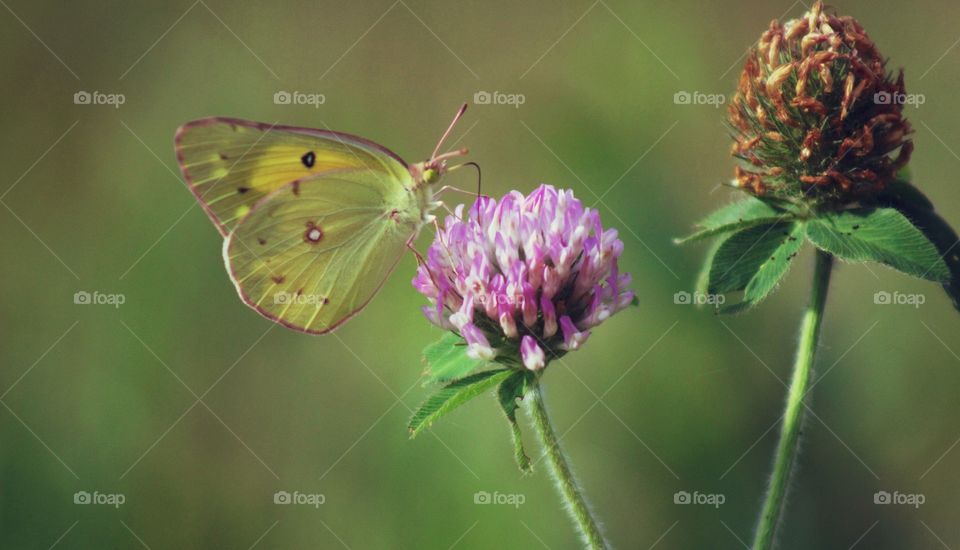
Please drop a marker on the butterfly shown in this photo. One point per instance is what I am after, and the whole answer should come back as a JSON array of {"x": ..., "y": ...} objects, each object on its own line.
[{"x": 314, "y": 221}]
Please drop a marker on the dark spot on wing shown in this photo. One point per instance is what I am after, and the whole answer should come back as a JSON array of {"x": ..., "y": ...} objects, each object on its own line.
[
  {"x": 313, "y": 234},
  {"x": 261, "y": 240},
  {"x": 308, "y": 159},
  {"x": 223, "y": 157},
  {"x": 242, "y": 190},
  {"x": 296, "y": 188},
  {"x": 278, "y": 278}
]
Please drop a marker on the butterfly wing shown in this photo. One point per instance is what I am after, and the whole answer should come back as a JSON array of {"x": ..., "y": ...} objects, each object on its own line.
[
  {"x": 232, "y": 164},
  {"x": 312, "y": 254}
]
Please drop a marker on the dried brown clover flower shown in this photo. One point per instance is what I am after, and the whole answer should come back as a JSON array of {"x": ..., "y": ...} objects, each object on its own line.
[{"x": 816, "y": 116}]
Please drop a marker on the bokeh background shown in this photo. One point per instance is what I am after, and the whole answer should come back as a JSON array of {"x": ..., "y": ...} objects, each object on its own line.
[{"x": 198, "y": 411}]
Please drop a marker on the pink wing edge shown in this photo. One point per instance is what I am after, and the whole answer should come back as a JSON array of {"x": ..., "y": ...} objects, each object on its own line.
[
  {"x": 250, "y": 303},
  {"x": 263, "y": 126}
]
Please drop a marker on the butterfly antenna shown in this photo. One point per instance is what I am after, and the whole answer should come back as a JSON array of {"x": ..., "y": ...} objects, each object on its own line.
[{"x": 456, "y": 118}]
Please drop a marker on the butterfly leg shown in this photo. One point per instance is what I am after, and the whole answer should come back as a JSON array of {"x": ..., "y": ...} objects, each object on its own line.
[
  {"x": 416, "y": 253},
  {"x": 436, "y": 227}
]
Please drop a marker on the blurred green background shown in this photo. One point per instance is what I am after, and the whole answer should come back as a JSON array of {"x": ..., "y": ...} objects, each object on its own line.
[{"x": 664, "y": 398}]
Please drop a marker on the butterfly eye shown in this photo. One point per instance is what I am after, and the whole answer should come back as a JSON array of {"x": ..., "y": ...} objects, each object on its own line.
[{"x": 430, "y": 175}]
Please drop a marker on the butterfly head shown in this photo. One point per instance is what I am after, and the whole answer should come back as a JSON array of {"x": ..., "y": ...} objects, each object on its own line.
[{"x": 429, "y": 172}]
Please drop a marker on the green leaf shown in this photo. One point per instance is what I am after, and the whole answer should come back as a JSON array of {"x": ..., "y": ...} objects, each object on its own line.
[
  {"x": 754, "y": 260},
  {"x": 912, "y": 203},
  {"x": 511, "y": 389},
  {"x": 453, "y": 395},
  {"x": 703, "y": 277},
  {"x": 447, "y": 359},
  {"x": 730, "y": 227},
  {"x": 732, "y": 217},
  {"x": 879, "y": 235},
  {"x": 750, "y": 208}
]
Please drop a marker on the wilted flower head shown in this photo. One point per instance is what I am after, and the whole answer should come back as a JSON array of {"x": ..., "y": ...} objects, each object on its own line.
[
  {"x": 816, "y": 116},
  {"x": 523, "y": 280}
]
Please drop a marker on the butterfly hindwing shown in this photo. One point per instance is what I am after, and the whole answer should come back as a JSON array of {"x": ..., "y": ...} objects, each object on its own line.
[
  {"x": 232, "y": 164},
  {"x": 312, "y": 254}
]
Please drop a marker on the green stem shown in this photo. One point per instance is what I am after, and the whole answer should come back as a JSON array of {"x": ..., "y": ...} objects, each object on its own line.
[
  {"x": 788, "y": 447},
  {"x": 571, "y": 493}
]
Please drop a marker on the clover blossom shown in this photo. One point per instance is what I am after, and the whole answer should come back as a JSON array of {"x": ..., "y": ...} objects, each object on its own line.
[
  {"x": 816, "y": 115},
  {"x": 523, "y": 280}
]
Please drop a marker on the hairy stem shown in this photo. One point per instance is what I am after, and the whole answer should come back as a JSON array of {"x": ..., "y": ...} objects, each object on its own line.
[
  {"x": 570, "y": 492},
  {"x": 788, "y": 446}
]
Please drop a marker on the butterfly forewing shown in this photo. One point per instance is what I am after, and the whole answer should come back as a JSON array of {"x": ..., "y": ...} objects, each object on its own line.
[
  {"x": 312, "y": 254},
  {"x": 232, "y": 164}
]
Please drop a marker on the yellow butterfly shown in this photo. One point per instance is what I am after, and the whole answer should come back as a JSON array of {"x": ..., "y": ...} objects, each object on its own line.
[{"x": 314, "y": 221}]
